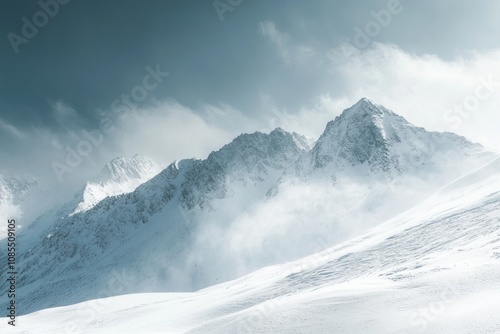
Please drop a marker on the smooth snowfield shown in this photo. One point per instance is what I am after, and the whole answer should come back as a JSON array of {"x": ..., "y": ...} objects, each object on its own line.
[{"x": 433, "y": 269}]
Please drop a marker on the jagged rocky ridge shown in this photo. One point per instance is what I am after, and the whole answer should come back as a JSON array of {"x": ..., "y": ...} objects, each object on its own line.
[{"x": 150, "y": 233}]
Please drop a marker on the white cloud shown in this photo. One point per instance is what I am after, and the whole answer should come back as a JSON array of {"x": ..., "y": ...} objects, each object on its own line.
[
  {"x": 429, "y": 91},
  {"x": 426, "y": 89},
  {"x": 288, "y": 51},
  {"x": 422, "y": 88},
  {"x": 268, "y": 29},
  {"x": 171, "y": 131},
  {"x": 11, "y": 129},
  {"x": 310, "y": 120},
  {"x": 65, "y": 115}
]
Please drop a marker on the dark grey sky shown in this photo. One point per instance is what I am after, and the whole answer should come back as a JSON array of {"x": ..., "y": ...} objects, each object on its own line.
[{"x": 93, "y": 51}]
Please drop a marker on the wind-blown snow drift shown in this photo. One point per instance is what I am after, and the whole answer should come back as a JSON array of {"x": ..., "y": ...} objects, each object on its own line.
[
  {"x": 433, "y": 269},
  {"x": 261, "y": 199}
]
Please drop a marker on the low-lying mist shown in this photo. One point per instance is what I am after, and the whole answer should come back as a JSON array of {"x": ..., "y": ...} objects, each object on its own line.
[{"x": 298, "y": 220}]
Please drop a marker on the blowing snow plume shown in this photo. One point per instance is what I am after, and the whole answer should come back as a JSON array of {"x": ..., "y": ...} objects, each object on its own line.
[{"x": 199, "y": 222}]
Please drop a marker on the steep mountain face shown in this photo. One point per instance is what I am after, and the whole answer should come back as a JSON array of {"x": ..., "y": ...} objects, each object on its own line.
[
  {"x": 433, "y": 269},
  {"x": 198, "y": 222},
  {"x": 26, "y": 199},
  {"x": 370, "y": 139},
  {"x": 121, "y": 175},
  {"x": 357, "y": 137},
  {"x": 250, "y": 161},
  {"x": 158, "y": 219}
]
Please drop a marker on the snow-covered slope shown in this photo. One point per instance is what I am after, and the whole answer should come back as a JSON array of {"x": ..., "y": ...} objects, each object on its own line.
[
  {"x": 120, "y": 176},
  {"x": 63, "y": 254},
  {"x": 25, "y": 198},
  {"x": 433, "y": 269},
  {"x": 261, "y": 199}
]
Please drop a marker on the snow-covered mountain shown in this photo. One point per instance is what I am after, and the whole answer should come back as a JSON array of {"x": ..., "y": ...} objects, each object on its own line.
[
  {"x": 119, "y": 176},
  {"x": 261, "y": 199},
  {"x": 432, "y": 269},
  {"x": 25, "y": 198},
  {"x": 370, "y": 139},
  {"x": 13, "y": 191}
]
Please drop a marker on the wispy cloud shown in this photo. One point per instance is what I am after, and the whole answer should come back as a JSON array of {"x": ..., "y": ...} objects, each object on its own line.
[
  {"x": 65, "y": 115},
  {"x": 11, "y": 129},
  {"x": 287, "y": 50},
  {"x": 426, "y": 89},
  {"x": 429, "y": 91}
]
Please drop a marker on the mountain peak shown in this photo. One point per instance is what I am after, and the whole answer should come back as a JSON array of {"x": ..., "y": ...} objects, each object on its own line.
[
  {"x": 366, "y": 115},
  {"x": 256, "y": 179},
  {"x": 122, "y": 169},
  {"x": 370, "y": 135},
  {"x": 119, "y": 176},
  {"x": 278, "y": 130},
  {"x": 364, "y": 101},
  {"x": 366, "y": 106}
]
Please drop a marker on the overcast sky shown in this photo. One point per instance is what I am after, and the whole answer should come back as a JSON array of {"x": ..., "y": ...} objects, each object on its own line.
[{"x": 178, "y": 79}]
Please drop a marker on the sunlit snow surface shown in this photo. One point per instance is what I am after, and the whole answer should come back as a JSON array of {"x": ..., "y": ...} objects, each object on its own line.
[
  {"x": 260, "y": 200},
  {"x": 433, "y": 269}
]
